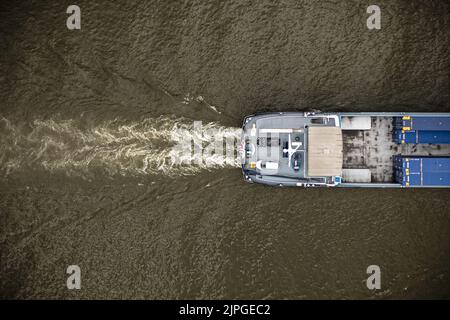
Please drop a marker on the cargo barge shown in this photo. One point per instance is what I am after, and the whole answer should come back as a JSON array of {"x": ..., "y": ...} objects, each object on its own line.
[{"x": 381, "y": 150}]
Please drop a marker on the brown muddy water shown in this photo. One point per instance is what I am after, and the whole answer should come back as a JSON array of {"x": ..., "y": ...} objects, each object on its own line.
[{"x": 87, "y": 114}]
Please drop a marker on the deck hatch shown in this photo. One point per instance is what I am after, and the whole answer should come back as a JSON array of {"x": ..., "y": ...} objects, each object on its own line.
[{"x": 325, "y": 150}]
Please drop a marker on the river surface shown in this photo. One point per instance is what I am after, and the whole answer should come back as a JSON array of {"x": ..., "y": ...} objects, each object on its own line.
[{"x": 88, "y": 118}]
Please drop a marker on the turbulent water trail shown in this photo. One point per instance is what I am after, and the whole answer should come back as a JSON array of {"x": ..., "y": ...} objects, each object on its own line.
[{"x": 151, "y": 146}]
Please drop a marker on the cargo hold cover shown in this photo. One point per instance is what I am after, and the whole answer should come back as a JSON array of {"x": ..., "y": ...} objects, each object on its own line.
[{"x": 325, "y": 151}]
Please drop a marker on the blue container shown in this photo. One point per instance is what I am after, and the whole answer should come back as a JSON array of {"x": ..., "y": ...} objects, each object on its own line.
[
  {"x": 430, "y": 123},
  {"x": 397, "y": 136},
  {"x": 436, "y": 164},
  {"x": 434, "y": 137},
  {"x": 414, "y": 137},
  {"x": 424, "y": 171},
  {"x": 436, "y": 179},
  {"x": 414, "y": 179},
  {"x": 414, "y": 165},
  {"x": 407, "y": 123},
  {"x": 405, "y": 137}
]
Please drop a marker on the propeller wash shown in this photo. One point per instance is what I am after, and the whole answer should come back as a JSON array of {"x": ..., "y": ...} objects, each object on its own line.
[{"x": 151, "y": 146}]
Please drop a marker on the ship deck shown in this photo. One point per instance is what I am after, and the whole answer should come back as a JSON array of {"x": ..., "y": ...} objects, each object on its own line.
[{"x": 374, "y": 149}]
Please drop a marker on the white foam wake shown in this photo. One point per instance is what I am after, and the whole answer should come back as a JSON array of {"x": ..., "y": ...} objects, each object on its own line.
[{"x": 160, "y": 145}]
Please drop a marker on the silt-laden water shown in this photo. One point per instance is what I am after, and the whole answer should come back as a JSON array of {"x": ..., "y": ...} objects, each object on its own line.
[{"x": 87, "y": 117}]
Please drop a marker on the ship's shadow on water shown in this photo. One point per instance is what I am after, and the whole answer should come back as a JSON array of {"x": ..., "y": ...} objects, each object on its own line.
[{"x": 164, "y": 145}]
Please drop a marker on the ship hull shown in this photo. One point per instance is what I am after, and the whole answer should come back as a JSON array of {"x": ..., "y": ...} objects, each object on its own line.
[{"x": 372, "y": 150}]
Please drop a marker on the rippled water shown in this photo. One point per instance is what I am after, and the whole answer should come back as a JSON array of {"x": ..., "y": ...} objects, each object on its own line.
[{"x": 88, "y": 175}]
